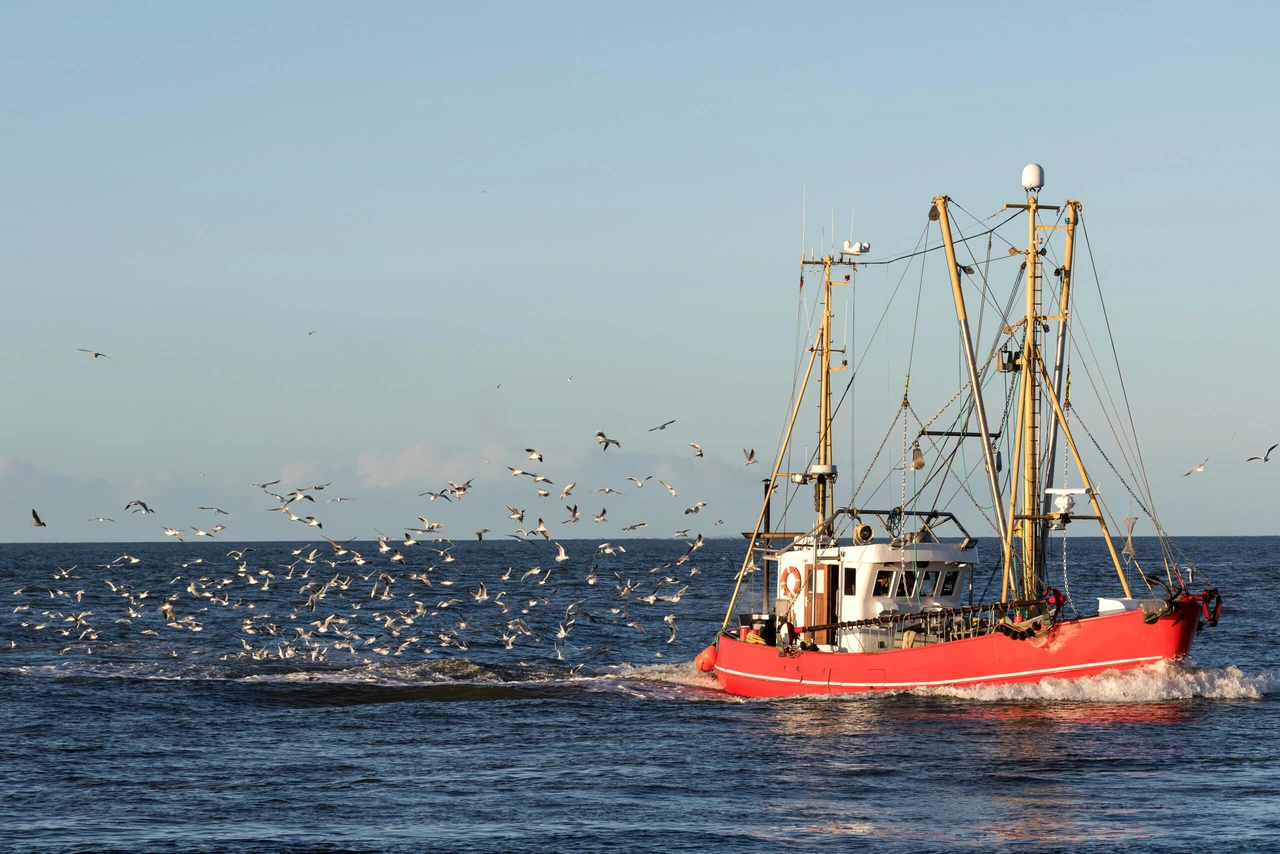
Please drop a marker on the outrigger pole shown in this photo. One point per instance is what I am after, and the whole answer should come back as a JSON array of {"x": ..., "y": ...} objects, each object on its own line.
[
  {"x": 988, "y": 452},
  {"x": 764, "y": 508}
]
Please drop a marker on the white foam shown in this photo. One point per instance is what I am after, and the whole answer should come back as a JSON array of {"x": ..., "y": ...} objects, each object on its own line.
[
  {"x": 683, "y": 674},
  {"x": 1162, "y": 681}
]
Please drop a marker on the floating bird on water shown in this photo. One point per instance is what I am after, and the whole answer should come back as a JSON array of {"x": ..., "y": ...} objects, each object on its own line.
[
  {"x": 37, "y": 523},
  {"x": 663, "y": 426},
  {"x": 1266, "y": 458},
  {"x": 1198, "y": 468},
  {"x": 94, "y": 354}
]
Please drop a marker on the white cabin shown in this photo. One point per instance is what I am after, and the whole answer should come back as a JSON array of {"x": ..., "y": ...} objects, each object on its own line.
[{"x": 862, "y": 582}]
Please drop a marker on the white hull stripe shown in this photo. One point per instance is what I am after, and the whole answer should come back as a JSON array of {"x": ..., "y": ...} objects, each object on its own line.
[{"x": 1043, "y": 672}]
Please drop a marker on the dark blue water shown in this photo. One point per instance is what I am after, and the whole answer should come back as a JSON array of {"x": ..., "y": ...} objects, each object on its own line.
[{"x": 139, "y": 733}]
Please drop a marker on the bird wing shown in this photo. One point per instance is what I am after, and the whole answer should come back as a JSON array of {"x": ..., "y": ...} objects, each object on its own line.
[{"x": 36, "y": 517}]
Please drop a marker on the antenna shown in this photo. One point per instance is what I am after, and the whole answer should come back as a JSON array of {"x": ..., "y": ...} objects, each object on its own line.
[
  {"x": 804, "y": 210},
  {"x": 850, "y": 223}
]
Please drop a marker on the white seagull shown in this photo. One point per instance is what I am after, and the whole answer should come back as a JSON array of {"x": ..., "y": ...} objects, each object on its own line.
[{"x": 1266, "y": 458}]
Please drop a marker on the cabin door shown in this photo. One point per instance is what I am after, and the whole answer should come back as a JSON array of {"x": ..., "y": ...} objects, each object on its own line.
[{"x": 822, "y": 604}]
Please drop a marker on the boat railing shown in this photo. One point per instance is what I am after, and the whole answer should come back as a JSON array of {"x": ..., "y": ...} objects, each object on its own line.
[{"x": 1021, "y": 620}]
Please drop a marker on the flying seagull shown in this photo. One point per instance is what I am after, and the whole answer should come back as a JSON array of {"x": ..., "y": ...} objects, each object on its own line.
[
  {"x": 533, "y": 455},
  {"x": 94, "y": 353},
  {"x": 750, "y": 455},
  {"x": 638, "y": 482},
  {"x": 173, "y": 532},
  {"x": 1199, "y": 467},
  {"x": 139, "y": 507},
  {"x": 602, "y": 439},
  {"x": 215, "y": 510},
  {"x": 663, "y": 426},
  {"x": 697, "y": 449},
  {"x": 37, "y": 523},
  {"x": 101, "y": 519},
  {"x": 1266, "y": 458}
]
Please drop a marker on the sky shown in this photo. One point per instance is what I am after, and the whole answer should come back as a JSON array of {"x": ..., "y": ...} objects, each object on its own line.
[{"x": 369, "y": 246}]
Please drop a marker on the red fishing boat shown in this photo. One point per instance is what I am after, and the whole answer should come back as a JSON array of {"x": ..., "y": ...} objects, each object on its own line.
[{"x": 883, "y": 599}]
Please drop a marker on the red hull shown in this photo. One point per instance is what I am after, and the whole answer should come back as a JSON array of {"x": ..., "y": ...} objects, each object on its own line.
[{"x": 1072, "y": 648}]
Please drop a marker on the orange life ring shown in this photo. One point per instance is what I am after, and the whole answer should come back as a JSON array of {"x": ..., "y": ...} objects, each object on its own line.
[{"x": 792, "y": 582}]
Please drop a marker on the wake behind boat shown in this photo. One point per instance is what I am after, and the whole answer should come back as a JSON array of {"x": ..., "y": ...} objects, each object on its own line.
[{"x": 882, "y": 597}]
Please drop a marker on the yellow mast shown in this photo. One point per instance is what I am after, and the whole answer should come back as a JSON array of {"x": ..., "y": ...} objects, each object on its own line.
[
  {"x": 1028, "y": 527},
  {"x": 825, "y": 474}
]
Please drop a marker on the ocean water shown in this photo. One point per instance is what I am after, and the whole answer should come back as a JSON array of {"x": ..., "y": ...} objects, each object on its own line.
[{"x": 219, "y": 727}]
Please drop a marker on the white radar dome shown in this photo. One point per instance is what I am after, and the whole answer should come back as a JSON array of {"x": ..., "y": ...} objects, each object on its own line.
[{"x": 1032, "y": 176}]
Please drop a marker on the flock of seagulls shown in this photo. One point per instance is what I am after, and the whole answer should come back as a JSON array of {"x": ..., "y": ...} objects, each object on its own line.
[{"x": 411, "y": 594}]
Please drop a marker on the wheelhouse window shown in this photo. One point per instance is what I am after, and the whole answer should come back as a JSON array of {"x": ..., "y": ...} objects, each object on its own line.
[
  {"x": 928, "y": 582},
  {"x": 884, "y": 583},
  {"x": 907, "y": 583},
  {"x": 949, "y": 582},
  {"x": 851, "y": 581}
]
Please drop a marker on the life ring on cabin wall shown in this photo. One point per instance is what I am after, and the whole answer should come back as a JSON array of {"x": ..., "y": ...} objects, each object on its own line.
[{"x": 792, "y": 582}]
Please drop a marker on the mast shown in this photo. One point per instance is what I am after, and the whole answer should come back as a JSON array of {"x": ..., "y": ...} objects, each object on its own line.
[
  {"x": 1029, "y": 530},
  {"x": 824, "y": 469},
  {"x": 1025, "y": 517},
  {"x": 1060, "y": 351}
]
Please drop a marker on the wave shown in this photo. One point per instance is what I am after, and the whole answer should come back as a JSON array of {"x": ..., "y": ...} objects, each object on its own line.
[{"x": 1163, "y": 681}]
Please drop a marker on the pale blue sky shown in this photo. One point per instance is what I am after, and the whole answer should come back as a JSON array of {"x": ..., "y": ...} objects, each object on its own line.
[{"x": 453, "y": 197}]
